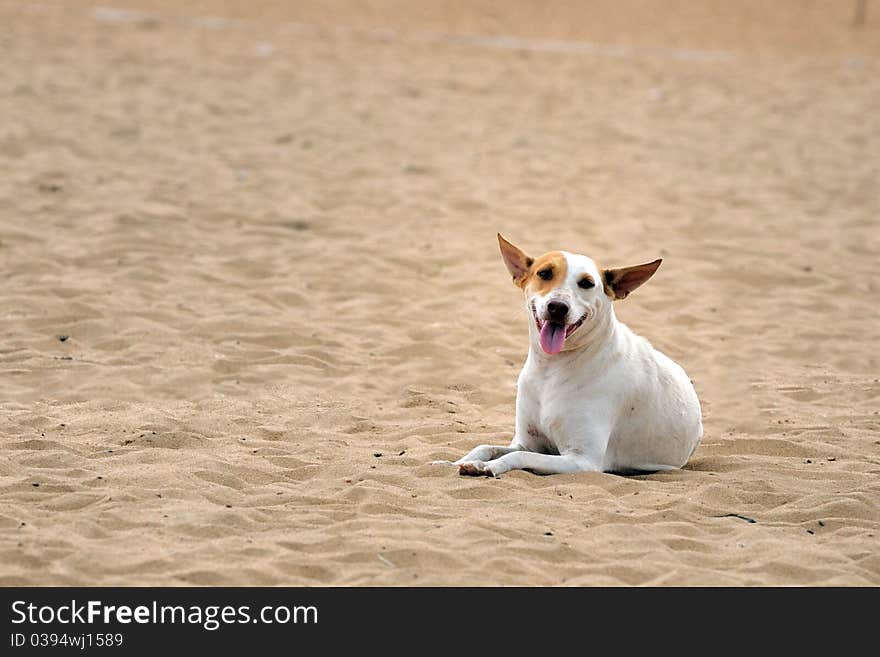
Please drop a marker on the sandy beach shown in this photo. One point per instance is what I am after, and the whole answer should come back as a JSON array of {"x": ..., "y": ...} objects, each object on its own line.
[{"x": 251, "y": 287}]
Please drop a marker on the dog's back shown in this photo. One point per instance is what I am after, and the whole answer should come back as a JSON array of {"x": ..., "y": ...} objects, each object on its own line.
[{"x": 659, "y": 420}]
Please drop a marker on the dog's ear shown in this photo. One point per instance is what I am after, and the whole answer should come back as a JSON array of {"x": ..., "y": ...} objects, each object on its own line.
[
  {"x": 620, "y": 282},
  {"x": 518, "y": 263}
]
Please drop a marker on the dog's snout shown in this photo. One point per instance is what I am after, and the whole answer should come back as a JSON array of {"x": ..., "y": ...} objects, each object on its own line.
[{"x": 557, "y": 311}]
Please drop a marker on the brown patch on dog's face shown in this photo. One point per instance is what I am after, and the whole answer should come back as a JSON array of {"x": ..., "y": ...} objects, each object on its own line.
[
  {"x": 547, "y": 272},
  {"x": 586, "y": 282}
]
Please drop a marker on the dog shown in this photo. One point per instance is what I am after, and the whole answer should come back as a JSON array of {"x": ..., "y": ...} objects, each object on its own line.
[{"x": 592, "y": 395}]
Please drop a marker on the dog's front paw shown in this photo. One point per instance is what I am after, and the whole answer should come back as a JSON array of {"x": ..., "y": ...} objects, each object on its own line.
[{"x": 475, "y": 469}]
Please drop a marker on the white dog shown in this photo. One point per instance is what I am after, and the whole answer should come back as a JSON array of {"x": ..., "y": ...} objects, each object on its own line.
[{"x": 592, "y": 395}]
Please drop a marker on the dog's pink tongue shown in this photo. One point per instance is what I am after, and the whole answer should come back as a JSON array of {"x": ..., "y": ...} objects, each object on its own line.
[{"x": 552, "y": 337}]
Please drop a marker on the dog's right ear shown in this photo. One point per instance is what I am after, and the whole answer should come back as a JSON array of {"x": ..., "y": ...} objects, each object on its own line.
[{"x": 518, "y": 263}]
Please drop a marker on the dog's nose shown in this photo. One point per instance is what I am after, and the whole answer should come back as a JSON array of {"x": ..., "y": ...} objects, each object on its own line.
[{"x": 557, "y": 311}]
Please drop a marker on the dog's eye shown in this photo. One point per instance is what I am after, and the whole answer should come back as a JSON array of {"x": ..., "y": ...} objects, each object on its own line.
[
  {"x": 545, "y": 274},
  {"x": 586, "y": 283}
]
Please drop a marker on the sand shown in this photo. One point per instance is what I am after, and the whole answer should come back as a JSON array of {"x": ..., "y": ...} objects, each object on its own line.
[{"x": 251, "y": 287}]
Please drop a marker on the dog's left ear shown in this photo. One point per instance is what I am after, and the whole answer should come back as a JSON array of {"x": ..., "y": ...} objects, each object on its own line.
[{"x": 620, "y": 282}]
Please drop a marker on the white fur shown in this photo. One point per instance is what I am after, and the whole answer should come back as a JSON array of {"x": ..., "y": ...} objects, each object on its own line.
[{"x": 607, "y": 402}]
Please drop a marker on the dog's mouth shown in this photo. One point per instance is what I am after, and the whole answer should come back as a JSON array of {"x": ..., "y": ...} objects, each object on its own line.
[{"x": 554, "y": 334}]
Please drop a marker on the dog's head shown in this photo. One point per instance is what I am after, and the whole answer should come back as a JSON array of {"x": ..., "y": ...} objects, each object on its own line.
[{"x": 565, "y": 293}]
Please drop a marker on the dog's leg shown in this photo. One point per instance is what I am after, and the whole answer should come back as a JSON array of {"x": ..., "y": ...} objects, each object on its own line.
[
  {"x": 483, "y": 453},
  {"x": 488, "y": 453},
  {"x": 538, "y": 463}
]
